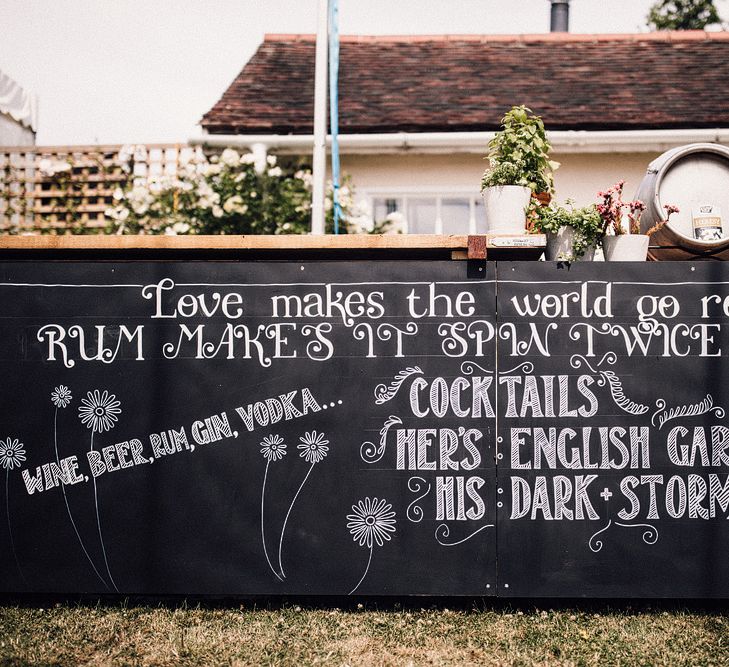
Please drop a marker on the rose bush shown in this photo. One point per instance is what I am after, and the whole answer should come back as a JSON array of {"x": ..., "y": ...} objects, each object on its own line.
[{"x": 228, "y": 194}]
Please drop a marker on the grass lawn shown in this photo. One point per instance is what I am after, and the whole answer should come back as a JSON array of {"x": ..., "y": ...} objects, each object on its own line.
[{"x": 261, "y": 633}]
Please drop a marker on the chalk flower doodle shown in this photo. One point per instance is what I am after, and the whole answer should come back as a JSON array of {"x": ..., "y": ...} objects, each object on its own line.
[
  {"x": 313, "y": 449},
  {"x": 12, "y": 455},
  {"x": 372, "y": 521},
  {"x": 273, "y": 449},
  {"x": 98, "y": 411},
  {"x": 61, "y": 396}
]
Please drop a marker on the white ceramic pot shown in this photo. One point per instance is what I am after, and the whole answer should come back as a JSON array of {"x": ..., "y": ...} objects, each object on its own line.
[
  {"x": 626, "y": 247},
  {"x": 559, "y": 247},
  {"x": 505, "y": 207}
]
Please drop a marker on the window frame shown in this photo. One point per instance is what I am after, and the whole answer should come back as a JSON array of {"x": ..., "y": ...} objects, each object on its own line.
[{"x": 426, "y": 192}]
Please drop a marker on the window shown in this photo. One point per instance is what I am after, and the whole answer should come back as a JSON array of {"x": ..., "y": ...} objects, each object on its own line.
[{"x": 430, "y": 213}]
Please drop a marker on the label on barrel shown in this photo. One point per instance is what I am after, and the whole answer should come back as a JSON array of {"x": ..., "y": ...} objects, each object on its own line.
[{"x": 707, "y": 223}]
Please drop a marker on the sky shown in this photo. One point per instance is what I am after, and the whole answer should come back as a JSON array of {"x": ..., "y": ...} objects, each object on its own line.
[{"x": 145, "y": 71}]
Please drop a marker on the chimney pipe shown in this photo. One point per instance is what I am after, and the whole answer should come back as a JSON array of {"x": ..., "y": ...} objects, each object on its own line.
[{"x": 560, "y": 16}]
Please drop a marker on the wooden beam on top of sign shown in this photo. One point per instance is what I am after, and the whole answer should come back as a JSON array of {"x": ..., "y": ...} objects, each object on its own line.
[
  {"x": 234, "y": 242},
  {"x": 506, "y": 246}
]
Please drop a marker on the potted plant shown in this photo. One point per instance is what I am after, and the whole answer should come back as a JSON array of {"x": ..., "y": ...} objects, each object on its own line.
[
  {"x": 621, "y": 244},
  {"x": 572, "y": 233},
  {"x": 519, "y": 166}
]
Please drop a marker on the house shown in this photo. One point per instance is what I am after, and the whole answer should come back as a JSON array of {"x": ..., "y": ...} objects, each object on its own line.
[
  {"x": 18, "y": 114},
  {"x": 416, "y": 112}
]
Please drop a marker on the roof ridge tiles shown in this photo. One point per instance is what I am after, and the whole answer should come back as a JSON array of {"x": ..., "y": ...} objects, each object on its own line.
[{"x": 660, "y": 36}]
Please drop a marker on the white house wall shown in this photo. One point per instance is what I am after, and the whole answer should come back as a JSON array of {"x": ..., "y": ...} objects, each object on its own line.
[{"x": 580, "y": 176}]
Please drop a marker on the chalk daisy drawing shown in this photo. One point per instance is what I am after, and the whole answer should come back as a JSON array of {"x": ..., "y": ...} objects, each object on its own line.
[
  {"x": 61, "y": 397},
  {"x": 313, "y": 449},
  {"x": 372, "y": 521},
  {"x": 12, "y": 455},
  {"x": 273, "y": 448},
  {"x": 100, "y": 412}
]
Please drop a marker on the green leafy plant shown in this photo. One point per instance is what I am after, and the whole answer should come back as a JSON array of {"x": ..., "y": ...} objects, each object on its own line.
[
  {"x": 682, "y": 14},
  {"x": 519, "y": 153},
  {"x": 586, "y": 223}
]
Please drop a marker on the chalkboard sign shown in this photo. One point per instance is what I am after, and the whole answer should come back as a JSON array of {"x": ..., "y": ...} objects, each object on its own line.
[
  {"x": 248, "y": 428},
  {"x": 364, "y": 427},
  {"x": 613, "y": 442}
]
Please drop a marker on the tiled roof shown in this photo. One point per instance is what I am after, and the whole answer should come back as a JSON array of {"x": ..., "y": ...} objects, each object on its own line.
[{"x": 659, "y": 80}]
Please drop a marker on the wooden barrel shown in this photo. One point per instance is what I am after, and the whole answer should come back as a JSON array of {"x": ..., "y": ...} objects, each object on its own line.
[{"x": 688, "y": 176}]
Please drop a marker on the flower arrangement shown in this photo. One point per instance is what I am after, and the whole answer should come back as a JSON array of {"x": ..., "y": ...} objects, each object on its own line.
[
  {"x": 612, "y": 210},
  {"x": 228, "y": 193},
  {"x": 519, "y": 153}
]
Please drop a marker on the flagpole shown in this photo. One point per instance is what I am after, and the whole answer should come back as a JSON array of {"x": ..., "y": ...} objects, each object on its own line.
[
  {"x": 334, "y": 107},
  {"x": 319, "y": 161}
]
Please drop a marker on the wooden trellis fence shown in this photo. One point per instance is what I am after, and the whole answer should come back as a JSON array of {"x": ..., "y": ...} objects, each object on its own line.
[{"x": 58, "y": 189}]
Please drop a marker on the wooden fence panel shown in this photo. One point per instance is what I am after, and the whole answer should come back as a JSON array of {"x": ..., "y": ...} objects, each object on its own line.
[{"x": 59, "y": 189}]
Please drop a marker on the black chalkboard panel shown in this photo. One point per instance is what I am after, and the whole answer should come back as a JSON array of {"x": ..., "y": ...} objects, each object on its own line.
[
  {"x": 613, "y": 441},
  {"x": 248, "y": 428},
  {"x": 420, "y": 427}
]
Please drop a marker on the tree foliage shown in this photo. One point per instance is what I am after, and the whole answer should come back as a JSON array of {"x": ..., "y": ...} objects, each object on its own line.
[{"x": 682, "y": 14}]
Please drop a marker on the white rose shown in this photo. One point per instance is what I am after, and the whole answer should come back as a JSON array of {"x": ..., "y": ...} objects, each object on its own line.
[
  {"x": 232, "y": 204},
  {"x": 204, "y": 189},
  {"x": 248, "y": 158},
  {"x": 230, "y": 157},
  {"x": 275, "y": 172},
  {"x": 271, "y": 159},
  {"x": 181, "y": 228},
  {"x": 118, "y": 194},
  {"x": 217, "y": 211}
]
